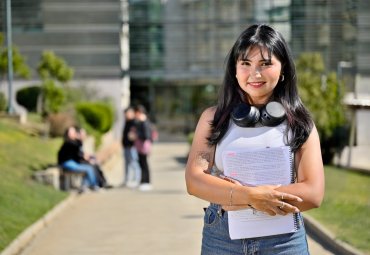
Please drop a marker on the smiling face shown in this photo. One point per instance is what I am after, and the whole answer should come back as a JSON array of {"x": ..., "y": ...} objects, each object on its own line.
[{"x": 258, "y": 74}]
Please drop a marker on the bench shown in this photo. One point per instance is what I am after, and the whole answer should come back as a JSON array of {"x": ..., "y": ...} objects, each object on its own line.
[
  {"x": 59, "y": 178},
  {"x": 70, "y": 180}
]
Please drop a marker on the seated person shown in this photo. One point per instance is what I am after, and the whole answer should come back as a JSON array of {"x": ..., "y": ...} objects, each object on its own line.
[{"x": 69, "y": 157}]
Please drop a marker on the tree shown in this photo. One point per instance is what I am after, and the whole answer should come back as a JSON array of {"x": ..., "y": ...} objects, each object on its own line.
[
  {"x": 53, "y": 71},
  {"x": 20, "y": 68},
  {"x": 323, "y": 95}
]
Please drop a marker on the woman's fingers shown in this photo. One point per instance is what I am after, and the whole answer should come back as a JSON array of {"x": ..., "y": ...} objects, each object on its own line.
[
  {"x": 282, "y": 209},
  {"x": 286, "y": 207},
  {"x": 289, "y": 197}
]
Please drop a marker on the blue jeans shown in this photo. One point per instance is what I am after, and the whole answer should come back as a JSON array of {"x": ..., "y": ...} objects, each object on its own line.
[
  {"x": 216, "y": 239},
  {"x": 89, "y": 178},
  {"x": 132, "y": 167}
]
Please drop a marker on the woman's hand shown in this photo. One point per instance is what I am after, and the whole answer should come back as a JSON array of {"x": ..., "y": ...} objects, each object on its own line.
[{"x": 267, "y": 199}]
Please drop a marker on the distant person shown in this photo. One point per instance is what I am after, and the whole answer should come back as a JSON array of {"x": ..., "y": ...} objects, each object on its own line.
[
  {"x": 69, "y": 156},
  {"x": 91, "y": 160},
  {"x": 132, "y": 170},
  {"x": 143, "y": 144}
]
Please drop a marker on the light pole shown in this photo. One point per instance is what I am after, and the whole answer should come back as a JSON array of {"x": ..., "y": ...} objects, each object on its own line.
[{"x": 10, "y": 55}]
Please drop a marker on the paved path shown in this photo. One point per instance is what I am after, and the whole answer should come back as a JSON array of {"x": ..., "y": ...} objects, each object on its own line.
[{"x": 121, "y": 221}]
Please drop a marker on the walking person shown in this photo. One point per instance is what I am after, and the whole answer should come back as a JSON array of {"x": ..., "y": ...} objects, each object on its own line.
[
  {"x": 258, "y": 108},
  {"x": 143, "y": 144},
  {"x": 132, "y": 170}
]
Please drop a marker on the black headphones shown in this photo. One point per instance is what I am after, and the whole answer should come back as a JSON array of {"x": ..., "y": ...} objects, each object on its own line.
[{"x": 270, "y": 115}]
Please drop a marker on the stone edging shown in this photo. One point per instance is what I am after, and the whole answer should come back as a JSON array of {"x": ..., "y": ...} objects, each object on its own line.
[
  {"x": 23, "y": 239},
  {"x": 328, "y": 239}
]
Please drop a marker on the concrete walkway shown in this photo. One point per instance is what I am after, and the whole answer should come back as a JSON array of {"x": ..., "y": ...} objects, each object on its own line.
[{"x": 122, "y": 221}]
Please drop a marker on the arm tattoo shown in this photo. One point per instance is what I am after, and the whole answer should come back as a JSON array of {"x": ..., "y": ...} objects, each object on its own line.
[{"x": 203, "y": 159}]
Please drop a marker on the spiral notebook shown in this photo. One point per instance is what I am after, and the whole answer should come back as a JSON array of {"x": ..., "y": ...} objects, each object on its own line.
[{"x": 256, "y": 167}]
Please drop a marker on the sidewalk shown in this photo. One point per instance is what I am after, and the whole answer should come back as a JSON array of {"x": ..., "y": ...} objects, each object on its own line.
[{"x": 121, "y": 221}]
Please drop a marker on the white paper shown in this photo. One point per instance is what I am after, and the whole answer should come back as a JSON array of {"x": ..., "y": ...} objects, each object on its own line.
[{"x": 255, "y": 167}]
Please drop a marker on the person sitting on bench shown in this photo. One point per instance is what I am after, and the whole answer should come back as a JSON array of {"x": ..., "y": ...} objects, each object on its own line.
[{"x": 69, "y": 159}]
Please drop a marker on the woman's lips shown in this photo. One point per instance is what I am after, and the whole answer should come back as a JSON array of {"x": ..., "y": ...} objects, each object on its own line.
[{"x": 256, "y": 84}]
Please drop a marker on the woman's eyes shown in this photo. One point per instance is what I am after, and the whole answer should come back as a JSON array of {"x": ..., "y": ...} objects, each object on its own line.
[
  {"x": 245, "y": 63},
  {"x": 267, "y": 63}
]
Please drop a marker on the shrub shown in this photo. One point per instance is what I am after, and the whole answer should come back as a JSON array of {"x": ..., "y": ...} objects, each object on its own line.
[
  {"x": 98, "y": 115},
  {"x": 3, "y": 102},
  {"x": 53, "y": 97},
  {"x": 27, "y": 97},
  {"x": 53, "y": 71}
]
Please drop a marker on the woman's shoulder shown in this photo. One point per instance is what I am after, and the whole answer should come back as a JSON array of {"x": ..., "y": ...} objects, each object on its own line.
[
  {"x": 209, "y": 113},
  {"x": 207, "y": 117}
]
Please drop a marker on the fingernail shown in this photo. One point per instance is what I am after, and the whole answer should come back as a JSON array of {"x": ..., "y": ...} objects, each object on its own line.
[
  {"x": 300, "y": 200},
  {"x": 296, "y": 210}
]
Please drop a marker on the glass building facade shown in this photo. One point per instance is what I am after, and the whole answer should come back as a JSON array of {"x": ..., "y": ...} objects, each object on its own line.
[{"x": 193, "y": 37}]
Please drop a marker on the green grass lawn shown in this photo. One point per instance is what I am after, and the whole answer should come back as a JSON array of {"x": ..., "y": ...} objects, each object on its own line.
[
  {"x": 22, "y": 201},
  {"x": 345, "y": 210}
]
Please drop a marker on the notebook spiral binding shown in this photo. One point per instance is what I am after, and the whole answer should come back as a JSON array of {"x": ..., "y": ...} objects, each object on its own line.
[
  {"x": 292, "y": 180},
  {"x": 292, "y": 171},
  {"x": 296, "y": 221}
]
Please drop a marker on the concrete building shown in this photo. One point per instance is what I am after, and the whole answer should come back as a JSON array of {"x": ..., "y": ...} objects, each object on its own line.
[{"x": 89, "y": 35}]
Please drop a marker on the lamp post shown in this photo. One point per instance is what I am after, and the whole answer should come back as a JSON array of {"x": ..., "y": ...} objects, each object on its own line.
[{"x": 10, "y": 55}]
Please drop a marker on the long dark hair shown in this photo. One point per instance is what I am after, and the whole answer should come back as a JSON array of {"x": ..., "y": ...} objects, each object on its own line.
[{"x": 298, "y": 118}]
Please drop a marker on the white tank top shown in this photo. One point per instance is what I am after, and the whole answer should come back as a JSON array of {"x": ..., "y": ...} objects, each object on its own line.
[{"x": 256, "y": 137}]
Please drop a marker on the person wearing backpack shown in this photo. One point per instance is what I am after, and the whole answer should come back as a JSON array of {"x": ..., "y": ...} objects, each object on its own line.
[
  {"x": 143, "y": 144},
  {"x": 132, "y": 170}
]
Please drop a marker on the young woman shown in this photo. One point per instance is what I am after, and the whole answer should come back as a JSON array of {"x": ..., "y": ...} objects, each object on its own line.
[
  {"x": 259, "y": 70},
  {"x": 69, "y": 158}
]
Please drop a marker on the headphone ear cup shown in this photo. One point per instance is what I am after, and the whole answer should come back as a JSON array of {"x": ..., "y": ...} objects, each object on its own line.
[
  {"x": 272, "y": 114},
  {"x": 245, "y": 115}
]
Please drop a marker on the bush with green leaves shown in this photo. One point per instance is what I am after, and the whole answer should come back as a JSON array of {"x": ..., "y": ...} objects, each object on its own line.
[
  {"x": 3, "y": 102},
  {"x": 53, "y": 97},
  {"x": 54, "y": 67},
  {"x": 27, "y": 97},
  {"x": 96, "y": 114},
  {"x": 20, "y": 68},
  {"x": 323, "y": 95},
  {"x": 54, "y": 72}
]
